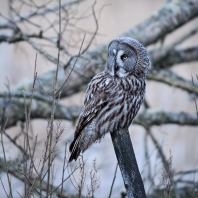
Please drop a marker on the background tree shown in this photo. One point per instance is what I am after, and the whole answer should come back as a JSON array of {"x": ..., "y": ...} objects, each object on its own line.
[{"x": 166, "y": 33}]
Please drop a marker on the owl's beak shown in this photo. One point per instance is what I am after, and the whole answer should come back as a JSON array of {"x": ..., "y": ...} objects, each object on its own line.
[{"x": 116, "y": 67}]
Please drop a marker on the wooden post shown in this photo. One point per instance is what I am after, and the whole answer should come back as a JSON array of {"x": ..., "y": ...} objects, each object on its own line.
[{"x": 128, "y": 164}]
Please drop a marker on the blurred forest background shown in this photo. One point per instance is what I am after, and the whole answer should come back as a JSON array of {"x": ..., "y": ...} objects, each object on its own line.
[{"x": 164, "y": 134}]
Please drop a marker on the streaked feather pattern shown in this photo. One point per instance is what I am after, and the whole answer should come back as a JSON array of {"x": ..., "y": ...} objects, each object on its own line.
[{"x": 112, "y": 99}]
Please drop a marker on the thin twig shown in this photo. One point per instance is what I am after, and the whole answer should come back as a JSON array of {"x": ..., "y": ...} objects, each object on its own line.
[
  {"x": 44, "y": 90},
  {"x": 195, "y": 96},
  {"x": 113, "y": 181},
  {"x": 95, "y": 32},
  {"x": 72, "y": 67},
  {"x": 4, "y": 154},
  {"x": 54, "y": 102},
  {"x": 158, "y": 147},
  {"x": 26, "y": 178},
  {"x": 14, "y": 142},
  {"x": 62, "y": 182},
  {"x": 4, "y": 188},
  {"x": 41, "y": 11},
  {"x": 90, "y": 42},
  {"x": 27, "y": 121},
  {"x": 63, "y": 171}
]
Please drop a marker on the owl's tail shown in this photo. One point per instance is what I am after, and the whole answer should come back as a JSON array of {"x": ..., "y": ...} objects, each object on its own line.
[{"x": 74, "y": 148}]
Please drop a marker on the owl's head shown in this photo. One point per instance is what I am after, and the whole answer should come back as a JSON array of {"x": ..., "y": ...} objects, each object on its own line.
[{"x": 126, "y": 56}]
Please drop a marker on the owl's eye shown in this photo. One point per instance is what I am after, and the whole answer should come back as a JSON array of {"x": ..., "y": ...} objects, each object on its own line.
[{"x": 124, "y": 57}]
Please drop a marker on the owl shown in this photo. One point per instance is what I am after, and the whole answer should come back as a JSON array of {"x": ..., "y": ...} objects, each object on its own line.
[{"x": 114, "y": 96}]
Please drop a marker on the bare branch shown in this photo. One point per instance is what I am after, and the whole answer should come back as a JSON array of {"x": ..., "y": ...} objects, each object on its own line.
[
  {"x": 150, "y": 117},
  {"x": 40, "y": 110},
  {"x": 156, "y": 27},
  {"x": 113, "y": 181},
  {"x": 159, "y": 54},
  {"x": 18, "y": 175},
  {"x": 170, "y": 17},
  {"x": 168, "y": 77},
  {"x": 178, "y": 56},
  {"x": 160, "y": 117},
  {"x": 38, "y": 12},
  {"x": 72, "y": 67}
]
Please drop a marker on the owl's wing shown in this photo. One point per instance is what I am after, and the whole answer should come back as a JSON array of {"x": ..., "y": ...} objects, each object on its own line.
[{"x": 95, "y": 100}]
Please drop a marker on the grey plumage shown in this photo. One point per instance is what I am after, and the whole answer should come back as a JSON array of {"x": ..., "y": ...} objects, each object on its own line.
[{"x": 113, "y": 97}]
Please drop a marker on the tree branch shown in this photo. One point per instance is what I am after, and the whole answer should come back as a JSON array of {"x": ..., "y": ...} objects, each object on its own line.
[
  {"x": 38, "y": 12},
  {"x": 162, "y": 52},
  {"x": 178, "y": 56},
  {"x": 12, "y": 170},
  {"x": 171, "y": 16},
  {"x": 160, "y": 117},
  {"x": 40, "y": 110},
  {"x": 170, "y": 78}
]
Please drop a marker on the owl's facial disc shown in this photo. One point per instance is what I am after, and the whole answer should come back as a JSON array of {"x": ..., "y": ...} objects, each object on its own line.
[{"x": 121, "y": 58}]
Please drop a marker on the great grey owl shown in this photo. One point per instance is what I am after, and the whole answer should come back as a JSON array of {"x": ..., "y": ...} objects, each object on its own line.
[{"x": 113, "y": 97}]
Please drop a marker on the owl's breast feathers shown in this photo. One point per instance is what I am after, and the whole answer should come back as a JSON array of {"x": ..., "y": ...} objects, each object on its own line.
[{"x": 112, "y": 102}]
